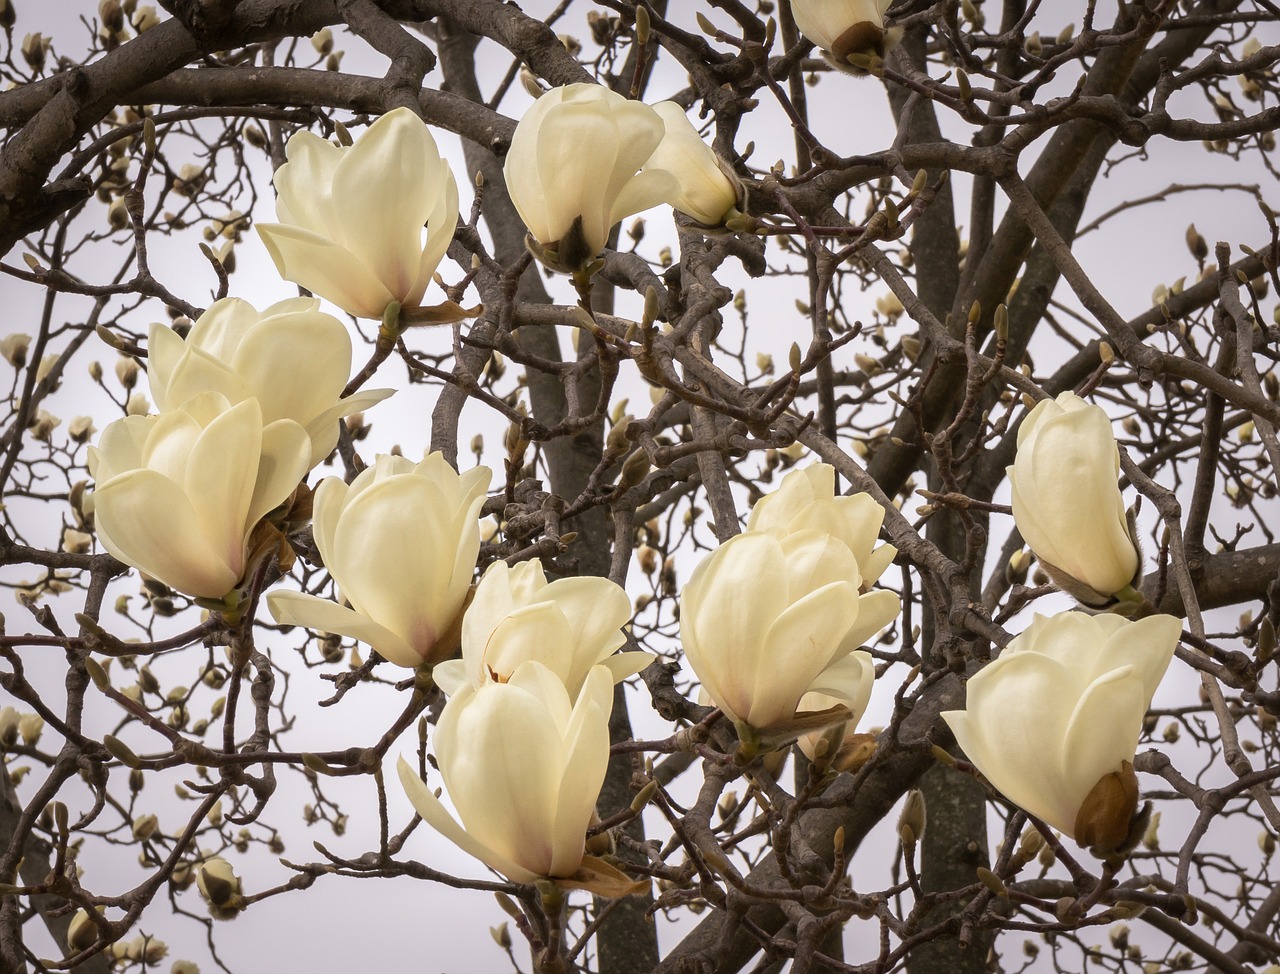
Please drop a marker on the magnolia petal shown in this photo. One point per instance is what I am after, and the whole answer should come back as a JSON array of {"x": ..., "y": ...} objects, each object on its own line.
[
  {"x": 140, "y": 513},
  {"x": 434, "y": 814},
  {"x": 624, "y": 665},
  {"x": 285, "y": 460},
  {"x": 450, "y": 676},
  {"x": 325, "y": 268},
  {"x": 325, "y": 615},
  {"x": 876, "y": 609}
]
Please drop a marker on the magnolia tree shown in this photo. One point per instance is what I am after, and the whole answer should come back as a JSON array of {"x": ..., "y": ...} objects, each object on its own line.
[{"x": 851, "y": 564}]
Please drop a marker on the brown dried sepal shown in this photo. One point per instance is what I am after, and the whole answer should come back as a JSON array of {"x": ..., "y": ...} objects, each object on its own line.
[{"x": 1106, "y": 817}]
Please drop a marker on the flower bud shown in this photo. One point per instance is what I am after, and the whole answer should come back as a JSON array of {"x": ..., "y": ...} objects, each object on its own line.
[
  {"x": 911, "y": 821},
  {"x": 82, "y": 933},
  {"x": 220, "y": 887},
  {"x": 14, "y": 349},
  {"x": 145, "y": 826}
]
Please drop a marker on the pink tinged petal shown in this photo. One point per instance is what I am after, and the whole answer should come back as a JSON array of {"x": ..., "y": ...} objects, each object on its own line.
[
  {"x": 535, "y": 632},
  {"x": 141, "y": 515},
  {"x": 285, "y": 460},
  {"x": 586, "y": 759},
  {"x": 381, "y": 199},
  {"x": 876, "y": 610},
  {"x": 434, "y": 814},
  {"x": 304, "y": 182},
  {"x": 325, "y": 615},
  {"x": 799, "y": 645},
  {"x": 318, "y": 264}
]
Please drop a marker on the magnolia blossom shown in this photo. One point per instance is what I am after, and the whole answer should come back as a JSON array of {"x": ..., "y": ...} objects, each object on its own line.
[
  {"x": 178, "y": 495},
  {"x": 351, "y": 218},
  {"x": 237, "y": 351},
  {"x": 568, "y": 625},
  {"x": 400, "y": 542},
  {"x": 807, "y": 500},
  {"x": 1060, "y": 710},
  {"x": 1066, "y": 502},
  {"x": 573, "y": 169},
  {"x": 762, "y": 617},
  {"x": 703, "y": 190},
  {"x": 843, "y": 27},
  {"x": 523, "y": 766},
  {"x": 220, "y": 886}
]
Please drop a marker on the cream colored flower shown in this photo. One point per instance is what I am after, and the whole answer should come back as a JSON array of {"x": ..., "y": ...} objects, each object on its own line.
[
  {"x": 294, "y": 359},
  {"x": 763, "y": 617},
  {"x": 568, "y": 625},
  {"x": 807, "y": 500},
  {"x": 704, "y": 191},
  {"x": 1066, "y": 502},
  {"x": 1061, "y": 709},
  {"x": 401, "y": 543},
  {"x": 843, "y": 27},
  {"x": 179, "y": 494},
  {"x": 574, "y": 169},
  {"x": 352, "y": 218},
  {"x": 523, "y": 767}
]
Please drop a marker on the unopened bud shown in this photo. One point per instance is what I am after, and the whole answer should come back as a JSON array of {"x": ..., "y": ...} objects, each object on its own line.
[{"x": 911, "y": 821}]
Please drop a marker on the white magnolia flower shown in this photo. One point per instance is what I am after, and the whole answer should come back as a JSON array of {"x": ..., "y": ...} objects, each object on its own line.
[
  {"x": 352, "y": 218},
  {"x": 1066, "y": 502},
  {"x": 523, "y": 767},
  {"x": 569, "y": 625},
  {"x": 703, "y": 190},
  {"x": 574, "y": 169},
  {"x": 294, "y": 359},
  {"x": 843, "y": 27},
  {"x": 807, "y": 500},
  {"x": 762, "y": 618},
  {"x": 1061, "y": 709},
  {"x": 178, "y": 495},
  {"x": 401, "y": 543}
]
